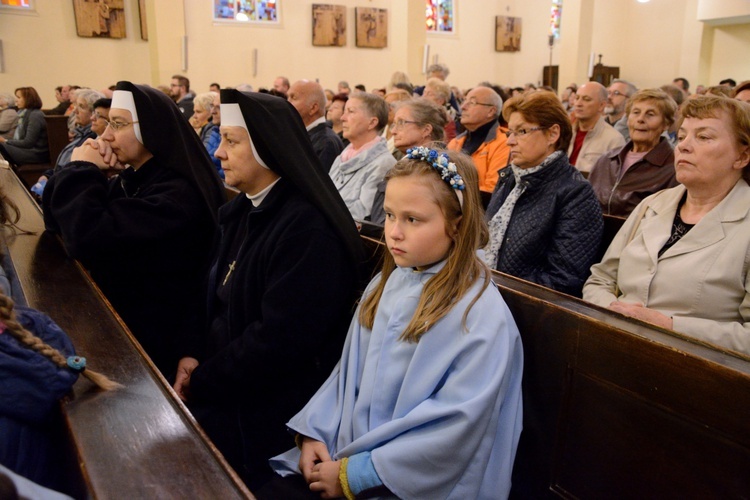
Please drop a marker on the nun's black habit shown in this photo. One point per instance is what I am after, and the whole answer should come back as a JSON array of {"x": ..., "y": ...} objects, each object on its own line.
[
  {"x": 279, "y": 318},
  {"x": 145, "y": 235}
]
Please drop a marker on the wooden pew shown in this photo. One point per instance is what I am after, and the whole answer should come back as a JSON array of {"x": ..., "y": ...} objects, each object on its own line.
[
  {"x": 57, "y": 139},
  {"x": 614, "y": 407},
  {"x": 136, "y": 442}
]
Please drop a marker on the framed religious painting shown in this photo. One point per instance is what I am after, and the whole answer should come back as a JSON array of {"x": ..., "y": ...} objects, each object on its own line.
[
  {"x": 328, "y": 25},
  {"x": 263, "y": 12},
  {"x": 371, "y": 26},
  {"x": 507, "y": 34}
]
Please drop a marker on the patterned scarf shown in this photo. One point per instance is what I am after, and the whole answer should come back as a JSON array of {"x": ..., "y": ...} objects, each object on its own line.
[{"x": 499, "y": 222}]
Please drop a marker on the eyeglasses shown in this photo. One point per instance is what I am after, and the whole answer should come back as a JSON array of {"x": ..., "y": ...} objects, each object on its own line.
[
  {"x": 616, "y": 93},
  {"x": 522, "y": 131},
  {"x": 473, "y": 102},
  {"x": 96, "y": 116},
  {"x": 401, "y": 123},
  {"x": 115, "y": 126}
]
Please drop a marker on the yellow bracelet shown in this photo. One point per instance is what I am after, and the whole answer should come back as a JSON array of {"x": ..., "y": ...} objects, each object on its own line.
[{"x": 344, "y": 480}]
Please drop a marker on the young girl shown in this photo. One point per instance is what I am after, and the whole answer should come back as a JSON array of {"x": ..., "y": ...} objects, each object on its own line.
[{"x": 426, "y": 400}]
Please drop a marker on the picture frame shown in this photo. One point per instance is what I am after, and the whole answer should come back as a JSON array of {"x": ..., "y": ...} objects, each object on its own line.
[
  {"x": 508, "y": 34},
  {"x": 328, "y": 25},
  {"x": 100, "y": 18},
  {"x": 371, "y": 27},
  {"x": 258, "y": 12}
]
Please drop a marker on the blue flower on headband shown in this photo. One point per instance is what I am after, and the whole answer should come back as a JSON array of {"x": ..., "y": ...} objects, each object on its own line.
[
  {"x": 77, "y": 363},
  {"x": 440, "y": 162}
]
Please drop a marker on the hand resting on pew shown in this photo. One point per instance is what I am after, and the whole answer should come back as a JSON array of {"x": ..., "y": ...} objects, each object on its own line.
[
  {"x": 99, "y": 153},
  {"x": 638, "y": 311},
  {"x": 182, "y": 379}
]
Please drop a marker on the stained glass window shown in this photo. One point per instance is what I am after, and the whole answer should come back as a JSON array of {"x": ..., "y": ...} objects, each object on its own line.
[
  {"x": 19, "y": 5},
  {"x": 554, "y": 18},
  {"x": 246, "y": 10},
  {"x": 439, "y": 16}
]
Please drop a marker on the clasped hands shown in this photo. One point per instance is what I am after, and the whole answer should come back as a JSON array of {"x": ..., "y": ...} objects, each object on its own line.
[
  {"x": 319, "y": 470},
  {"x": 99, "y": 153}
]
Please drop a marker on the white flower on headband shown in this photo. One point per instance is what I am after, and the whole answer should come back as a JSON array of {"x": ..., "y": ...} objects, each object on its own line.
[{"x": 440, "y": 162}]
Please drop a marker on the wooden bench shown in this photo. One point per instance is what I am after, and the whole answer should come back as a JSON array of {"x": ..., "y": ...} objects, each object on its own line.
[
  {"x": 57, "y": 139},
  {"x": 136, "y": 442},
  {"x": 614, "y": 407}
]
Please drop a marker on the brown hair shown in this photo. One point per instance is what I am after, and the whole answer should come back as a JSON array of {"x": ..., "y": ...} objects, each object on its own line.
[
  {"x": 664, "y": 102},
  {"x": 462, "y": 269},
  {"x": 544, "y": 109},
  {"x": 28, "y": 339},
  {"x": 30, "y": 96}
]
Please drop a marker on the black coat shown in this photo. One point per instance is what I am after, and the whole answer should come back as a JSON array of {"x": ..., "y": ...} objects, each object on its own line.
[
  {"x": 326, "y": 144},
  {"x": 555, "y": 230},
  {"x": 148, "y": 249},
  {"x": 279, "y": 329}
]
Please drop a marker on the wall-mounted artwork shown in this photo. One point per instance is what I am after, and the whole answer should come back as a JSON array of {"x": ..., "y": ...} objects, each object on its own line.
[
  {"x": 100, "y": 18},
  {"x": 371, "y": 27},
  {"x": 18, "y": 6},
  {"x": 440, "y": 15},
  {"x": 507, "y": 34},
  {"x": 247, "y": 11},
  {"x": 142, "y": 17},
  {"x": 329, "y": 25}
]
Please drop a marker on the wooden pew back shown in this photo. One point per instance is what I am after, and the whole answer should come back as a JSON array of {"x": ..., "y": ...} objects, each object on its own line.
[{"x": 136, "y": 442}]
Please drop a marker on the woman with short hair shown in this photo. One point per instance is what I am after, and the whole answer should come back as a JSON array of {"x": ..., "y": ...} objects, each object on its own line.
[
  {"x": 623, "y": 177},
  {"x": 29, "y": 143},
  {"x": 680, "y": 261},
  {"x": 545, "y": 222}
]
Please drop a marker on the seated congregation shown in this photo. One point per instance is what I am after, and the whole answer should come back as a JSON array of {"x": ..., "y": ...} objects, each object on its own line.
[{"x": 259, "y": 312}]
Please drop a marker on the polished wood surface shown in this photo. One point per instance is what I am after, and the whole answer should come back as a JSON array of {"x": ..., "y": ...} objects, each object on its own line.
[
  {"x": 616, "y": 408},
  {"x": 136, "y": 442}
]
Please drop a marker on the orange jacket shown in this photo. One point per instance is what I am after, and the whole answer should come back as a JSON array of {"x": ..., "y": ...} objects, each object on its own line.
[{"x": 491, "y": 156}]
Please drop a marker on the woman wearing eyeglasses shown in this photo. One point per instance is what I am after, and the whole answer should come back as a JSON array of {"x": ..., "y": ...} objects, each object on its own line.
[
  {"x": 416, "y": 122},
  {"x": 145, "y": 235},
  {"x": 544, "y": 219}
]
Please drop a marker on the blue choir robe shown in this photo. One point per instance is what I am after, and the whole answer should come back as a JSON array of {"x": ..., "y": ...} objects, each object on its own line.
[{"x": 441, "y": 417}]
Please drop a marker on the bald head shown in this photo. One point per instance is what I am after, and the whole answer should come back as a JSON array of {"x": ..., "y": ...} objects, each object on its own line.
[
  {"x": 309, "y": 99},
  {"x": 591, "y": 98}
]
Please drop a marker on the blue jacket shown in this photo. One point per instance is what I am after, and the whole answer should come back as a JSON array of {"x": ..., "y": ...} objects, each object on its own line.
[{"x": 212, "y": 144}]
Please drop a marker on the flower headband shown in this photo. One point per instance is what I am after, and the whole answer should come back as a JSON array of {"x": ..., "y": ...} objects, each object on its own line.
[{"x": 445, "y": 168}]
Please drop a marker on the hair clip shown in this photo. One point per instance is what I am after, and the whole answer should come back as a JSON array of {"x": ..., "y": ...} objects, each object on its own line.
[
  {"x": 445, "y": 168},
  {"x": 77, "y": 363}
]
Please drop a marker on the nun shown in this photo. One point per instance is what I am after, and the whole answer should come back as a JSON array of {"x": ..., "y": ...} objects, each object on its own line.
[
  {"x": 145, "y": 234},
  {"x": 281, "y": 288}
]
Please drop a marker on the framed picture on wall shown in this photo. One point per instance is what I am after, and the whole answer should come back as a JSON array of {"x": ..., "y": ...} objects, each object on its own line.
[
  {"x": 371, "y": 27},
  {"x": 507, "y": 34},
  {"x": 329, "y": 25},
  {"x": 142, "y": 17},
  {"x": 102, "y": 19},
  {"x": 247, "y": 11}
]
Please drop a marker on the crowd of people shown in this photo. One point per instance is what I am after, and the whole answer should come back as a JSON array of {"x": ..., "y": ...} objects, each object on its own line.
[{"x": 259, "y": 310}]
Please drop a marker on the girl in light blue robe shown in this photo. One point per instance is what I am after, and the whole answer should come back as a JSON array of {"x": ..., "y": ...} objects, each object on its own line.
[{"x": 426, "y": 400}]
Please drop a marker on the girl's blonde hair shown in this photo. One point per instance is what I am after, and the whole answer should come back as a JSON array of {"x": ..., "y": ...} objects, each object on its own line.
[
  {"x": 462, "y": 269},
  {"x": 28, "y": 339}
]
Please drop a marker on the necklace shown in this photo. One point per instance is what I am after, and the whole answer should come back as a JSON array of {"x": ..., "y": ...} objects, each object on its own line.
[{"x": 229, "y": 273}]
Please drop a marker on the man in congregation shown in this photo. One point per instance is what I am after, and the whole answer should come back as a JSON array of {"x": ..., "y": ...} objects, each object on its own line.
[
  {"x": 180, "y": 88},
  {"x": 682, "y": 84},
  {"x": 62, "y": 94},
  {"x": 618, "y": 93},
  {"x": 484, "y": 140},
  {"x": 281, "y": 84},
  {"x": 309, "y": 99},
  {"x": 592, "y": 135}
]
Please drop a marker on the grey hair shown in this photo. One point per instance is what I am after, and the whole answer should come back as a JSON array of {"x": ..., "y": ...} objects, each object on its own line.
[
  {"x": 375, "y": 106},
  {"x": 439, "y": 68},
  {"x": 440, "y": 87},
  {"x": 496, "y": 101},
  {"x": 90, "y": 96},
  {"x": 206, "y": 100},
  {"x": 632, "y": 89},
  {"x": 7, "y": 98},
  {"x": 426, "y": 112},
  {"x": 244, "y": 87}
]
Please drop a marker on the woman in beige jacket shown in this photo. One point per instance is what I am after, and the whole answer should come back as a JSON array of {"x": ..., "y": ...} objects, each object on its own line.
[{"x": 681, "y": 260}]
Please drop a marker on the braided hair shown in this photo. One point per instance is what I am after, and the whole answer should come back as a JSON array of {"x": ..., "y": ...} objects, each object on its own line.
[{"x": 28, "y": 339}]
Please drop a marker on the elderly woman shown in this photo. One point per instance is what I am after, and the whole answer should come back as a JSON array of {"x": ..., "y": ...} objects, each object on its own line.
[
  {"x": 145, "y": 235},
  {"x": 29, "y": 142},
  {"x": 680, "y": 261},
  {"x": 439, "y": 92},
  {"x": 270, "y": 341},
  {"x": 201, "y": 118},
  {"x": 416, "y": 122},
  {"x": 545, "y": 222},
  {"x": 8, "y": 115},
  {"x": 334, "y": 113},
  {"x": 623, "y": 177},
  {"x": 360, "y": 167}
]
